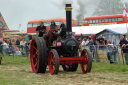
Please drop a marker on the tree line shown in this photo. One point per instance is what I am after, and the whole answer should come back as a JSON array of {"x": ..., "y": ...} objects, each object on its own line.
[{"x": 109, "y": 7}]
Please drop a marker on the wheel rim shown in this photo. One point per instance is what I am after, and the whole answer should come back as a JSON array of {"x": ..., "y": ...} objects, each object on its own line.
[
  {"x": 34, "y": 56},
  {"x": 52, "y": 62},
  {"x": 84, "y": 65}
]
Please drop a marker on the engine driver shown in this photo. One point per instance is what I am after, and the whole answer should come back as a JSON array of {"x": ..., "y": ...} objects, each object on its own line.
[
  {"x": 53, "y": 30},
  {"x": 53, "y": 26},
  {"x": 40, "y": 30}
]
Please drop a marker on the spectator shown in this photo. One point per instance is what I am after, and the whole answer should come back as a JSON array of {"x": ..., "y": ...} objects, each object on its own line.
[
  {"x": 91, "y": 44},
  {"x": 10, "y": 46},
  {"x": 17, "y": 51},
  {"x": 18, "y": 43},
  {"x": 24, "y": 42},
  {"x": 112, "y": 50},
  {"x": 84, "y": 42},
  {"x": 101, "y": 42},
  {"x": 6, "y": 48},
  {"x": 95, "y": 42},
  {"x": 126, "y": 52},
  {"x": 105, "y": 41},
  {"x": 1, "y": 47},
  {"x": 21, "y": 44},
  {"x": 123, "y": 43},
  {"x": 30, "y": 42},
  {"x": 13, "y": 42},
  {"x": 26, "y": 48},
  {"x": 13, "y": 49},
  {"x": 27, "y": 40},
  {"x": 29, "y": 45},
  {"x": 89, "y": 37}
]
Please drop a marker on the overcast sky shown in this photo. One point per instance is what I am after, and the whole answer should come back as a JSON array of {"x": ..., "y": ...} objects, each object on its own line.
[{"x": 17, "y": 12}]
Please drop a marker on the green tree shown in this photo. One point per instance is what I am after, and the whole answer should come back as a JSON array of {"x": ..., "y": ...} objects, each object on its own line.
[{"x": 109, "y": 7}]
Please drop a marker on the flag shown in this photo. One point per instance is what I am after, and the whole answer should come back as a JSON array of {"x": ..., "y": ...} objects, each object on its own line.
[
  {"x": 19, "y": 25},
  {"x": 125, "y": 11}
]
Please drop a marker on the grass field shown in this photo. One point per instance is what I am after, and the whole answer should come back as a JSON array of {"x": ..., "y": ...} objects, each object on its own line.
[{"x": 17, "y": 71}]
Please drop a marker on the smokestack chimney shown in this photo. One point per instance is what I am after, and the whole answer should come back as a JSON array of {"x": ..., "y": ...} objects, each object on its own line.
[{"x": 68, "y": 9}]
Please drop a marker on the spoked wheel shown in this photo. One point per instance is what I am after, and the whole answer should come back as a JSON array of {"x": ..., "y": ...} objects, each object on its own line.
[
  {"x": 87, "y": 63},
  {"x": 73, "y": 67},
  {"x": 37, "y": 56},
  {"x": 53, "y": 62}
]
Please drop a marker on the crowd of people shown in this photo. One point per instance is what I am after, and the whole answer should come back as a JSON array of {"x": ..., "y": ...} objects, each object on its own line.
[
  {"x": 18, "y": 47},
  {"x": 102, "y": 43}
]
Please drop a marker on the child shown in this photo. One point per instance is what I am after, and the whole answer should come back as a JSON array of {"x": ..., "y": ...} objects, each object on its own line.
[
  {"x": 91, "y": 45},
  {"x": 111, "y": 52},
  {"x": 17, "y": 51}
]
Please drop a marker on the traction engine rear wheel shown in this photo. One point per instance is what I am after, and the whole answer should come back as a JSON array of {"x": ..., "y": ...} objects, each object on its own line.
[
  {"x": 45, "y": 54},
  {"x": 53, "y": 62},
  {"x": 87, "y": 63},
  {"x": 37, "y": 56}
]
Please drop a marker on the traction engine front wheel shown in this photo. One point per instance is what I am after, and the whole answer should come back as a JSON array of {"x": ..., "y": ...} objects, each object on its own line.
[
  {"x": 87, "y": 63},
  {"x": 53, "y": 62}
]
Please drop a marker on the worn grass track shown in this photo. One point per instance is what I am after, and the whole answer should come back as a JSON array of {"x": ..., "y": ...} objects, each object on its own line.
[{"x": 17, "y": 71}]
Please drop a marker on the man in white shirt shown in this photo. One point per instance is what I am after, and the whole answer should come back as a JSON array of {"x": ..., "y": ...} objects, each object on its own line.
[
  {"x": 5, "y": 47},
  {"x": 84, "y": 42},
  {"x": 21, "y": 44}
]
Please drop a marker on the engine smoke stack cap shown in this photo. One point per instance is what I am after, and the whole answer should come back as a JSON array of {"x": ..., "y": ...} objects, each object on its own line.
[{"x": 68, "y": 7}]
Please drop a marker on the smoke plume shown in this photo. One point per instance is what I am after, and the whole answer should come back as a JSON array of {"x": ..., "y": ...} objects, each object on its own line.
[
  {"x": 80, "y": 12},
  {"x": 81, "y": 7}
]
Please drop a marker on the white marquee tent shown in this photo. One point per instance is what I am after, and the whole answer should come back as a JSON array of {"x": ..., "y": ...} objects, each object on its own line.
[{"x": 119, "y": 28}]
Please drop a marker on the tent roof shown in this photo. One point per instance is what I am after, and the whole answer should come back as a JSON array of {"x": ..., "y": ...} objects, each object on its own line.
[
  {"x": 117, "y": 28},
  {"x": 108, "y": 31}
]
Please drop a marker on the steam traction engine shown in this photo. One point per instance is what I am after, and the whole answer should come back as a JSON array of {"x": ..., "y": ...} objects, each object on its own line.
[{"x": 59, "y": 49}]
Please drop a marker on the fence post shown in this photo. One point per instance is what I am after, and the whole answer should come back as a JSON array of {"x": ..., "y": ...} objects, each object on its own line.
[
  {"x": 27, "y": 51},
  {"x": 122, "y": 56},
  {"x": 96, "y": 55},
  {"x": 118, "y": 55},
  {"x": 13, "y": 54},
  {"x": 0, "y": 58}
]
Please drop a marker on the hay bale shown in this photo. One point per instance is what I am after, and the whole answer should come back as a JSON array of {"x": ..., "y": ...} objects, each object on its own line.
[{"x": 102, "y": 55}]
